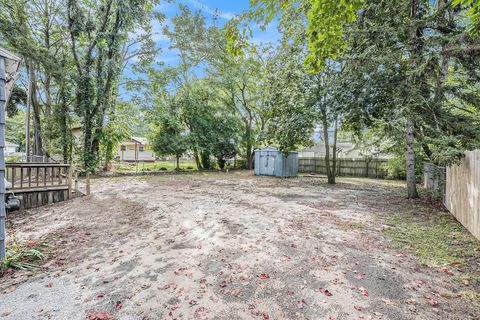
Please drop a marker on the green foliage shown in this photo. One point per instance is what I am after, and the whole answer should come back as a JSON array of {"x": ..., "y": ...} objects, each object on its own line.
[
  {"x": 327, "y": 21},
  {"x": 18, "y": 97},
  {"x": 473, "y": 12},
  {"x": 291, "y": 100},
  {"x": 170, "y": 137},
  {"x": 21, "y": 258}
]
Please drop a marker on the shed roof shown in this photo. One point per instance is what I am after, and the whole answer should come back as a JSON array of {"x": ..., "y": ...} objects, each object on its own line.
[{"x": 267, "y": 148}]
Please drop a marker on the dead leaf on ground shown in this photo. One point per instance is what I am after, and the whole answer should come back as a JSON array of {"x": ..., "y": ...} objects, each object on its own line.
[
  {"x": 325, "y": 292},
  {"x": 359, "y": 276},
  {"x": 432, "y": 301}
]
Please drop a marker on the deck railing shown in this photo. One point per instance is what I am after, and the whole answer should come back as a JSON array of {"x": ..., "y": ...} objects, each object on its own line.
[{"x": 27, "y": 177}]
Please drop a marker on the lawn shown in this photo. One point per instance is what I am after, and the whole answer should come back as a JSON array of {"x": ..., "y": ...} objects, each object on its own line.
[
  {"x": 155, "y": 166},
  {"x": 236, "y": 246}
]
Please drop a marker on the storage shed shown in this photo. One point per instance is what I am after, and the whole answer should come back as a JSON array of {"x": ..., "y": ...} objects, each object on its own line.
[{"x": 270, "y": 161}]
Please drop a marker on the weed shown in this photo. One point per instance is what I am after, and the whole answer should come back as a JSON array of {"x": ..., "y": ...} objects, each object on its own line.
[{"x": 21, "y": 257}]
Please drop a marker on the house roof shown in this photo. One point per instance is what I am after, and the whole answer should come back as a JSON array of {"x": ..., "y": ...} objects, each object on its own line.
[
  {"x": 320, "y": 147},
  {"x": 141, "y": 140},
  {"x": 346, "y": 150},
  {"x": 11, "y": 144}
]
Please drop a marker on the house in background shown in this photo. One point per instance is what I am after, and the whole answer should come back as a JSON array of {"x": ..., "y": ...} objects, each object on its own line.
[
  {"x": 345, "y": 150},
  {"x": 11, "y": 148},
  {"x": 135, "y": 149}
]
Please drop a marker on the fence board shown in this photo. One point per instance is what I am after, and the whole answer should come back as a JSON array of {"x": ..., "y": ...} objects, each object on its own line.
[
  {"x": 367, "y": 168},
  {"x": 462, "y": 191}
]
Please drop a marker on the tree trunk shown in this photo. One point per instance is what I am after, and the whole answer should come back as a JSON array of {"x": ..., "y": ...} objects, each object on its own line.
[
  {"x": 37, "y": 126},
  {"x": 249, "y": 158},
  {"x": 412, "y": 85},
  {"x": 334, "y": 156},
  {"x": 330, "y": 173},
  {"x": 197, "y": 160},
  {"x": 178, "y": 162},
  {"x": 410, "y": 156}
]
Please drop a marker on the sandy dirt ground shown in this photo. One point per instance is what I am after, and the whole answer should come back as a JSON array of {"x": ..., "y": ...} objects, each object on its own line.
[{"x": 225, "y": 246}]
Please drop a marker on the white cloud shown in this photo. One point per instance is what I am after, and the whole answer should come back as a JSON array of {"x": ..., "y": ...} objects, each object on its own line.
[{"x": 214, "y": 12}]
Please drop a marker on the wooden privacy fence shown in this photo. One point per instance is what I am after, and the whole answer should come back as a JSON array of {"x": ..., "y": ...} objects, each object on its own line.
[
  {"x": 366, "y": 168},
  {"x": 41, "y": 183},
  {"x": 462, "y": 192}
]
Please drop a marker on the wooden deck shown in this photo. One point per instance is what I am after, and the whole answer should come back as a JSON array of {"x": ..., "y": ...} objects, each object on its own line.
[{"x": 41, "y": 183}]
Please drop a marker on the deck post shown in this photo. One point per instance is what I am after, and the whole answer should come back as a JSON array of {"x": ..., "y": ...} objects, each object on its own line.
[
  {"x": 69, "y": 180},
  {"x": 76, "y": 181},
  {"x": 88, "y": 184}
]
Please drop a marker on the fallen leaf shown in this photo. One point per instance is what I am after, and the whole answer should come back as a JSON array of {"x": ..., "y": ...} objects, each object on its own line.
[
  {"x": 364, "y": 291},
  {"x": 193, "y": 302},
  {"x": 431, "y": 301},
  {"x": 49, "y": 285},
  {"x": 264, "y": 276},
  {"x": 387, "y": 301},
  {"x": 266, "y": 316},
  {"x": 447, "y": 271},
  {"x": 289, "y": 292},
  {"x": 466, "y": 282},
  {"x": 118, "y": 305},
  {"x": 223, "y": 283},
  {"x": 326, "y": 292},
  {"x": 101, "y": 316},
  {"x": 358, "y": 308},
  {"x": 359, "y": 276}
]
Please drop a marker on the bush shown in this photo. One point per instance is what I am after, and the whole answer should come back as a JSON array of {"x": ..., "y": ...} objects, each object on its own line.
[
  {"x": 190, "y": 168},
  {"x": 396, "y": 168},
  {"x": 163, "y": 169}
]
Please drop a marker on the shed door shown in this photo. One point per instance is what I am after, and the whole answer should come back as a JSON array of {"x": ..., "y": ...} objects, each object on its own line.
[
  {"x": 270, "y": 164},
  {"x": 262, "y": 164}
]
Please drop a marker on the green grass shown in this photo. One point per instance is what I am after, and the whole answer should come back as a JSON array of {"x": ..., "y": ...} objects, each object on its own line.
[
  {"x": 438, "y": 240},
  {"x": 154, "y": 166}
]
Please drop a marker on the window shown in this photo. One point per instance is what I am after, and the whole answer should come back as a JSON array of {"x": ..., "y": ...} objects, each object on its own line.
[
  {"x": 123, "y": 148},
  {"x": 140, "y": 149}
]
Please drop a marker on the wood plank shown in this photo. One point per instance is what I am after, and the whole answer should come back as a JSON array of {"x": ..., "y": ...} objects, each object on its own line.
[
  {"x": 41, "y": 189},
  {"x": 35, "y": 165}
]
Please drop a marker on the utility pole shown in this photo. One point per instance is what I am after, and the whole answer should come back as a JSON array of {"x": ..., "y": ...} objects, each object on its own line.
[{"x": 9, "y": 65}]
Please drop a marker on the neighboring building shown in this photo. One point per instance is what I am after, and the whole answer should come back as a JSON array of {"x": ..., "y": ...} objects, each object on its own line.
[
  {"x": 10, "y": 148},
  {"x": 135, "y": 149},
  {"x": 347, "y": 150},
  {"x": 77, "y": 135}
]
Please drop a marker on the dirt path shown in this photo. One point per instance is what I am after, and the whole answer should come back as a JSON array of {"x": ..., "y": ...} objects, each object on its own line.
[{"x": 224, "y": 246}]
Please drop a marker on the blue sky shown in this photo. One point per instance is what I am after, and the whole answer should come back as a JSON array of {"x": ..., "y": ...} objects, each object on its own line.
[{"x": 225, "y": 9}]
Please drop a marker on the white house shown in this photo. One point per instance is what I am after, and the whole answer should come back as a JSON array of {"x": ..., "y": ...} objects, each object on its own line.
[
  {"x": 345, "y": 149},
  {"x": 10, "y": 148},
  {"x": 135, "y": 149}
]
